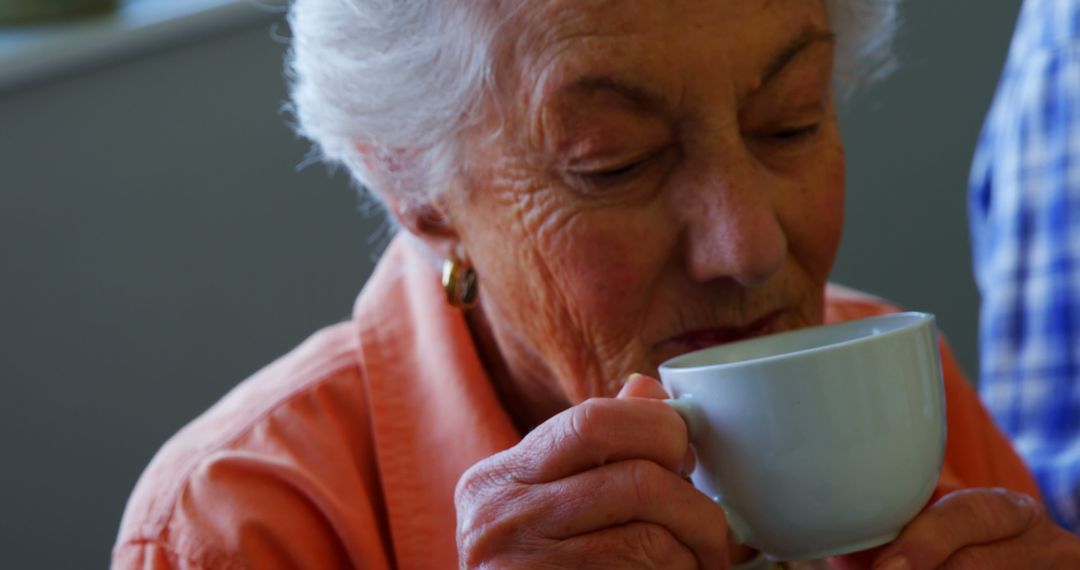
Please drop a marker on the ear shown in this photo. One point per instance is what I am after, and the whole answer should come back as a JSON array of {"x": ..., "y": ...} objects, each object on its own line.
[
  {"x": 420, "y": 216},
  {"x": 423, "y": 219}
]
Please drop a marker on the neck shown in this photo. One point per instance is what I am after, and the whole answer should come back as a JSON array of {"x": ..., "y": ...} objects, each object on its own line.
[{"x": 528, "y": 398}]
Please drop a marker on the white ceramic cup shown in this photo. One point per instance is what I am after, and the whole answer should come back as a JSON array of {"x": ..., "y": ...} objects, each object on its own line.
[{"x": 820, "y": 441}]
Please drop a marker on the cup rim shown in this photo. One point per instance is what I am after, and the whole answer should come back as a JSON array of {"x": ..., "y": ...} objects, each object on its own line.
[{"x": 915, "y": 318}]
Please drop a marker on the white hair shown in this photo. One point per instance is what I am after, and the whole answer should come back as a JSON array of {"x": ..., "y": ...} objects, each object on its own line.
[{"x": 385, "y": 87}]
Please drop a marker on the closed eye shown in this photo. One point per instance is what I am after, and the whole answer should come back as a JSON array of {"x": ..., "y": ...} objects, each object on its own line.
[
  {"x": 615, "y": 174},
  {"x": 794, "y": 135}
]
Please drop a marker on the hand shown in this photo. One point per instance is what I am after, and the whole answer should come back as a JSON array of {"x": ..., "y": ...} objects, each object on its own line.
[
  {"x": 600, "y": 485},
  {"x": 981, "y": 529}
]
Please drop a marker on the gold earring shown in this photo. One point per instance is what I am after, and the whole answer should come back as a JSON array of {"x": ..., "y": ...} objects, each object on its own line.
[{"x": 459, "y": 282}]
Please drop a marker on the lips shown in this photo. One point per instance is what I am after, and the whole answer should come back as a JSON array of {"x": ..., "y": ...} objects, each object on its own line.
[{"x": 704, "y": 338}]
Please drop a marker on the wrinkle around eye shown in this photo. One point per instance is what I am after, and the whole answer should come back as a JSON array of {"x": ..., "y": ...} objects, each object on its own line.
[
  {"x": 642, "y": 173},
  {"x": 612, "y": 173},
  {"x": 787, "y": 141},
  {"x": 796, "y": 134}
]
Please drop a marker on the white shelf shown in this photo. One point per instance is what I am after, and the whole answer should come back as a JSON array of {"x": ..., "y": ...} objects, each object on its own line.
[{"x": 37, "y": 52}]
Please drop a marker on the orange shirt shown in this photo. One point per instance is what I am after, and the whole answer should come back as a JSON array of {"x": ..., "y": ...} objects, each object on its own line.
[{"x": 345, "y": 452}]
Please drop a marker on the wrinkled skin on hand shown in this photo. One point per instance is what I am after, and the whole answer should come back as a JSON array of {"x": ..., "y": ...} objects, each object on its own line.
[
  {"x": 590, "y": 488},
  {"x": 975, "y": 529}
]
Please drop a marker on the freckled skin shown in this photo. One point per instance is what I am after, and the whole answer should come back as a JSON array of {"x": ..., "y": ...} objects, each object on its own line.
[{"x": 581, "y": 286}]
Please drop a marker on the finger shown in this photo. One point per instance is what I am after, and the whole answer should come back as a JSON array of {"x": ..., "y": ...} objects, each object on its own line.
[
  {"x": 628, "y": 491},
  {"x": 597, "y": 432},
  {"x": 1019, "y": 552},
  {"x": 856, "y": 560},
  {"x": 642, "y": 386},
  {"x": 633, "y": 545},
  {"x": 960, "y": 519}
]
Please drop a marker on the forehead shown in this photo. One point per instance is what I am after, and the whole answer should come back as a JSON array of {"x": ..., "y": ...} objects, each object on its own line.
[
  {"x": 661, "y": 43},
  {"x": 546, "y": 20}
]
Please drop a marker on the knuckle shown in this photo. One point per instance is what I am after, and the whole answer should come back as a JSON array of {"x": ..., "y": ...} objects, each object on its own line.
[
  {"x": 646, "y": 481},
  {"x": 975, "y": 516},
  {"x": 488, "y": 482},
  {"x": 653, "y": 545},
  {"x": 472, "y": 515},
  {"x": 470, "y": 537},
  {"x": 472, "y": 483},
  {"x": 979, "y": 504},
  {"x": 491, "y": 523},
  {"x": 588, "y": 422},
  {"x": 974, "y": 506},
  {"x": 1002, "y": 504},
  {"x": 1031, "y": 508},
  {"x": 479, "y": 545}
]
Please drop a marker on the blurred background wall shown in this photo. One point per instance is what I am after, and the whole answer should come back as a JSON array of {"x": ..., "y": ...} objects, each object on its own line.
[{"x": 158, "y": 245}]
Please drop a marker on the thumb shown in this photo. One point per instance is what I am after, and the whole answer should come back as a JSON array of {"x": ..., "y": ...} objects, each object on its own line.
[{"x": 642, "y": 386}]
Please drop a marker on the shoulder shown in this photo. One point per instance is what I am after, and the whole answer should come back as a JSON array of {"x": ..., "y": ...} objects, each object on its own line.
[{"x": 283, "y": 452}]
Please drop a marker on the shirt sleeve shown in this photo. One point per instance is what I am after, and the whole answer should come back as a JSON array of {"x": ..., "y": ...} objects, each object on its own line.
[
  {"x": 295, "y": 488},
  {"x": 1024, "y": 207}
]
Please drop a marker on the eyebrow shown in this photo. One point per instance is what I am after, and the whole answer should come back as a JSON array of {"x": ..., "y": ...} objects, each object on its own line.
[
  {"x": 637, "y": 95},
  {"x": 648, "y": 100},
  {"x": 782, "y": 59}
]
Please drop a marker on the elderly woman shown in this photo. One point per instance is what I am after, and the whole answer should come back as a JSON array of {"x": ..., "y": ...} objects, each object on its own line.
[{"x": 607, "y": 185}]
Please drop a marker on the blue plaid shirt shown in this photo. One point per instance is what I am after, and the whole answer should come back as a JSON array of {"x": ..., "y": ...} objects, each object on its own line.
[{"x": 1025, "y": 223}]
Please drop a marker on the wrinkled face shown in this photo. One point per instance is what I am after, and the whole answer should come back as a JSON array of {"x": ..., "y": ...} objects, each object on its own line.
[{"x": 664, "y": 175}]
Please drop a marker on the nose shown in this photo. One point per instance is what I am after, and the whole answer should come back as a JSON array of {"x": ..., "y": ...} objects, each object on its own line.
[{"x": 731, "y": 225}]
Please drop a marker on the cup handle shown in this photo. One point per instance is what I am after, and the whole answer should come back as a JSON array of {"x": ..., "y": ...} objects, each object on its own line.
[
  {"x": 695, "y": 426},
  {"x": 738, "y": 530},
  {"x": 690, "y": 414}
]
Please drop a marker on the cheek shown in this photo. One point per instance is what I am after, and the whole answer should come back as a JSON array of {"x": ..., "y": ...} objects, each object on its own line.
[
  {"x": 819, "y": 219},
  {"x": 607, "y": 260},
  {"x": 555, "y": 264}
]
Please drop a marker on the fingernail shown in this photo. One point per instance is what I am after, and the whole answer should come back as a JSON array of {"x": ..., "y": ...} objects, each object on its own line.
[
  {"x": 631, "y": 377},
  {"x": 687, "y": 465},
  {"x": 894, "y": 562}
]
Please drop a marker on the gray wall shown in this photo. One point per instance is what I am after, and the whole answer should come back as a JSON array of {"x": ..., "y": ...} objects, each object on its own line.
[
  {"x": 157, "y": 246},
  {"x": 909, "y": 142}
]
